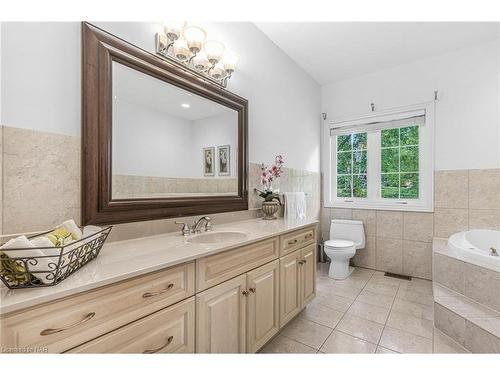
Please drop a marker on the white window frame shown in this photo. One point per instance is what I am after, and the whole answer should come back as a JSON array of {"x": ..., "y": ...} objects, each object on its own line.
[{"x": 368, "y": 123}]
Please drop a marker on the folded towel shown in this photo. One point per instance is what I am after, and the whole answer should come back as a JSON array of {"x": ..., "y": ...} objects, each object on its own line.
[
  {"x": 295, "y": 205},
  {"x": 72, "y": 228},
  {"x": 90, "y": 230},
  {"x": 35, "y": 266}
]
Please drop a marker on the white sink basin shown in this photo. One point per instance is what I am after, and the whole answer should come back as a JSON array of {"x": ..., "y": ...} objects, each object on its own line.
[{"x": 217, "y": 237}]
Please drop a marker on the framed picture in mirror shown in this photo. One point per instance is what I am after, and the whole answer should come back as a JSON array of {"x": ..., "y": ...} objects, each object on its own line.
[
  {"x": 224, "y": 160},
  {"x": 209, "y": 161}
]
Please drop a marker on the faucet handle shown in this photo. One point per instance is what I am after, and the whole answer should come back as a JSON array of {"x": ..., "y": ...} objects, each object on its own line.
[{"x": 185, "y": 228}]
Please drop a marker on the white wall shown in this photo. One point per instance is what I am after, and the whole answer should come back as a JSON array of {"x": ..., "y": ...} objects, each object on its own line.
[
  {"x": 467, "y": 113},
  {"x": 41, "y": 75},
  {"x": 216, "y": 131},
  {"x": 147, "y": 142}
]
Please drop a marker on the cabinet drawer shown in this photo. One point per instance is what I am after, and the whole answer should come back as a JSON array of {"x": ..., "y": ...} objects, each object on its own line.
[
  {"x": 296, "y": 240},
  {"x": 170, "y": 330},
  {"x": 217, "y": 268},
  {"x": 64, "y": 324}
]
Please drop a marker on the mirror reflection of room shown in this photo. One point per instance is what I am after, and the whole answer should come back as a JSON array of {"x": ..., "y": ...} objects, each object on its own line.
[{"x": 169, "y": 142}]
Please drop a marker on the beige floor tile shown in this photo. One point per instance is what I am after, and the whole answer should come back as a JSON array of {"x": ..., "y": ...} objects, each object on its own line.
[
  {"x": 283, "y": 344},
  {"x": 408, "y": 295},
  {"x": 412, "y": 324},
  {"x": 413, "y": 308},
  {"x": 375, "y": 299},
  {"x": 346, "y": 291},
  {"x": 374, "y": 313},
  {"x": 339, "y": 342},
  {"x": 380, "y": 287},
  {"x": 417, "y": 285},
  {"x": 361, "y": 328},
  {"x": 334, "y": 302},
  {"x": 404, "y": 342},
  {"x": 307, "y": 332},
  {"x": 379, "y": 277},
  {"x": 382, "y": 350},
  {"x": 321, "y": 314},
  {"x": 444, "y": 344}
]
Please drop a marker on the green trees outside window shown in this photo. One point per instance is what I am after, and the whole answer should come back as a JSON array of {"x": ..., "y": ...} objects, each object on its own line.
[
  {"x": 352, "y": 165},
  {"x": 400, "y": 163}
]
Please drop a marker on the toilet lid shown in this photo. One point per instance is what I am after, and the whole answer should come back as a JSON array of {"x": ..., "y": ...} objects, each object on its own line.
[{"x": 339, "y": 244}]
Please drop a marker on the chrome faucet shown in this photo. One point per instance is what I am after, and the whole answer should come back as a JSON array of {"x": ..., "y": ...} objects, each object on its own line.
[
  {"x": 493, "y": 252},
  {"x": 197, "y": 224}
]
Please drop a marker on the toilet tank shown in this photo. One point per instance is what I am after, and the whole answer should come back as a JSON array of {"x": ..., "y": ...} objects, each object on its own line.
[{"x": 352, "y": 230}]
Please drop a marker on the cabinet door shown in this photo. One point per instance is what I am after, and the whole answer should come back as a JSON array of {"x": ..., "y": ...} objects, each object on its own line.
[
  {"x": 221, "y": 318},
  {"x": 262, "y": 305},
  {"x": 308, "y": 274},
  {"x": 290, "y": 303}
]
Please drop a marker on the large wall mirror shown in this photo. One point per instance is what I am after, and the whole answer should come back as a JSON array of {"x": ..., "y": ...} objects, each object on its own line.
[{"x": 158, "y": 140}]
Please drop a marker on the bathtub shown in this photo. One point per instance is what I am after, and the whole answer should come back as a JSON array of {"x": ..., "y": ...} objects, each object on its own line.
[{"x": 474, "y": 246}]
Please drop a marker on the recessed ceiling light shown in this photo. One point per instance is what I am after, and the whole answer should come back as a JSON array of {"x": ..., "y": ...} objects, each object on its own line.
[{"x": 185, "y": 105}]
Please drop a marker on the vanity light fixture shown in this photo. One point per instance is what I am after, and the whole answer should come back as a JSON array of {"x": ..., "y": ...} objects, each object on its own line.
[{"x": 188, "y": 45}]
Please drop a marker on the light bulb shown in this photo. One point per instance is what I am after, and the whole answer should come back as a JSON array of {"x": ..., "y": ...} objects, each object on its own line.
[
  {"x": 181, "y": 50},
  {"x": 229, "y": 60},
  {"x": 173, "y": 29},
  {"x": 214, "y": 50},
  {"x": 194, "y": 37},
  {"x": 218, "y": 71},
  {"x": 200, "y": 61}
]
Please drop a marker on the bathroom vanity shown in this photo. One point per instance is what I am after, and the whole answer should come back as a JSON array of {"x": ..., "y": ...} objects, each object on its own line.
[{"x": 172, "y": 294}]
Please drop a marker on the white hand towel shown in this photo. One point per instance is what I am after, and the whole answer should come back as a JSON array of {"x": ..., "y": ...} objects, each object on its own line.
[
  {"x": 42, "y": 264},
  {"x": 71, "y": 227},
  {"x": 295, "y": 205}
]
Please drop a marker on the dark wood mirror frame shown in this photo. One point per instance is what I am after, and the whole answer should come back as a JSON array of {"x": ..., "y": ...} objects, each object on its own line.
[{"x": 99, "y": 50}]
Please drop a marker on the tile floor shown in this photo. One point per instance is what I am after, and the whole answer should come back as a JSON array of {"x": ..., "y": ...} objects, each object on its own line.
[{"x": 366, "y": 313}]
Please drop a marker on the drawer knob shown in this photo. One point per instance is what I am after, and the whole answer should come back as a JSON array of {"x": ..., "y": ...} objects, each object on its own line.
[
  {"x": 152, "y": 351},
  {"x": 154, "y": 294},
  {"x": 308, "y": 235},
  {"x": 291, "y": 242},
  {"x": 252, "y": 290},
  {"x": 51, "y": 331}
]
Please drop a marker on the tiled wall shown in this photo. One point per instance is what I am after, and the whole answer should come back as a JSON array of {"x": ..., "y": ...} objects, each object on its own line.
[
  {"x": 41, "y": 186},
  {"x": 126, "y": 186},
  {"x": 401, "y": 242}
]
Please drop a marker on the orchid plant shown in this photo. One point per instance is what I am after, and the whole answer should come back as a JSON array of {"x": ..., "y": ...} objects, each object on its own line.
[{"x": 268, "y": 174}]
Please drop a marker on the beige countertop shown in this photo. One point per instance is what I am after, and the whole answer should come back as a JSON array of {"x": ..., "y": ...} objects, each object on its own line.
[{"x": 125, "y": 259}]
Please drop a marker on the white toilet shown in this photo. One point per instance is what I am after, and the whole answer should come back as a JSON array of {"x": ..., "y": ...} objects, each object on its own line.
[{"x": 346, "y": 236}]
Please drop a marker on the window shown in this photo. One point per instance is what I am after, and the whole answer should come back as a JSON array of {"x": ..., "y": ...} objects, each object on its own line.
[
  {"x": 383, "y": 161},
  {"x": 351, "y": 165}
]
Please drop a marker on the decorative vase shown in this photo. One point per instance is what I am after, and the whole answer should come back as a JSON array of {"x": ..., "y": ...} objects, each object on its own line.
[{"x": 269, "y": 209}]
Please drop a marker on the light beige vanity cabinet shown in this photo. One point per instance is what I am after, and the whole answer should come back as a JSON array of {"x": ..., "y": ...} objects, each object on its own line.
[
  {"x": 170, "y": 330},
  {"x": 221, "y": 318},
  {"x": 297, "y": 282},
  {"x": 229, "y": 302},
  {"x": 66, "y": 323},
  {"x": 240, "y": 315}
]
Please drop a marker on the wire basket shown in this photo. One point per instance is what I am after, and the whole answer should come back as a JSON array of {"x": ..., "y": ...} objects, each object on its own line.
[{"x": 21, "y": 272}]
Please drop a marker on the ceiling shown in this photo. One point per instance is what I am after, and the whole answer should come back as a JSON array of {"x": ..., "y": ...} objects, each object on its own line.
[
  {"x": 143, "y": 90},
  {"x": 334, "y": 51}
]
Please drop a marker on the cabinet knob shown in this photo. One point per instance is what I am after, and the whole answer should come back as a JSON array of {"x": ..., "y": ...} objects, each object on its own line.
[
  {"x": 301, "y": 262},
  {"x": 252, "y": 290},
  {"x": 245, "y": 293},
  {"x": 308, "y": 235}
]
